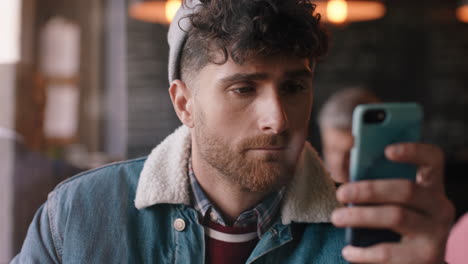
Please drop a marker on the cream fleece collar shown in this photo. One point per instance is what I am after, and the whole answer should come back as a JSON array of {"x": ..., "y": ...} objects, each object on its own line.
[{"x": 309, "y": 198}]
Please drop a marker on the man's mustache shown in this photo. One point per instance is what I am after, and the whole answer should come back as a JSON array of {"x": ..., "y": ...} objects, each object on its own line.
[{"x": 264, "y": 141}]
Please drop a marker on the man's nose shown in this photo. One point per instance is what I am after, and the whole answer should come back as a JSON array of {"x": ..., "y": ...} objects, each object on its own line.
[{"x": 273, "y": 114}]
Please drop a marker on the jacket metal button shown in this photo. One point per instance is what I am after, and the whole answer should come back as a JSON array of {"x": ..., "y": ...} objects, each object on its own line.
[
  {"x": 179, "y": 224},
  {"x": 213, "y": 217}
]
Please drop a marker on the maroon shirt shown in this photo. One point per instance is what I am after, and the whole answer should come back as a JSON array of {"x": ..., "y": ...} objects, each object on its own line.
[{"x": 229, "y": 245}]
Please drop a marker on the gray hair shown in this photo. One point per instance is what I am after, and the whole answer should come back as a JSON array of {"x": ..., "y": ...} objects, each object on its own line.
[{"x": 337, "y": 112}]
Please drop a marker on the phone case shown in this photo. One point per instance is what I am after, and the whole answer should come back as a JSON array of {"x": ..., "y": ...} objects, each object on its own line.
[{"x": 402, "y": 123}]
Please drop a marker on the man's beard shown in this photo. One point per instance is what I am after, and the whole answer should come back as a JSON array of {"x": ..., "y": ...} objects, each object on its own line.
[{"x": 257, "y": 173}]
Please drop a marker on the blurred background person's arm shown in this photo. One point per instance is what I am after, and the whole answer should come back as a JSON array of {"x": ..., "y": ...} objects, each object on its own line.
[{"x": 457, "y": 244}]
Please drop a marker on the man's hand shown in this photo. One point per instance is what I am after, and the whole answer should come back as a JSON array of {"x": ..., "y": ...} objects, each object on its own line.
[{"x": 419, "y": 211}]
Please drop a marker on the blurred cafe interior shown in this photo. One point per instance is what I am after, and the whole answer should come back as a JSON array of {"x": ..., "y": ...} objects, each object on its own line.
[{"x": 84, "y": 83}]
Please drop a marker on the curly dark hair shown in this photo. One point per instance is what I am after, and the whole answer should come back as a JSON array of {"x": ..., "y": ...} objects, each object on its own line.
[{"x": 246, "y": 29}]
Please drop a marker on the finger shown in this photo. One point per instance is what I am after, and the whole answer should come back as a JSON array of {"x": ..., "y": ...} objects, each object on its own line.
[
  {"x": 415, "y": 153},
  {"x": 429, "y": 159},
  {"x": 380, "y": 253},
  {"x": 375, "y": 254},
  {"x": 393, "y": 191},
  {"x": 399, "y": 219}
]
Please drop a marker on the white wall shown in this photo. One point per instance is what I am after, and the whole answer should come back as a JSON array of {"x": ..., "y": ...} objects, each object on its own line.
[
  {"x": 7, "y": 106},
  {"x": 116, "y": 97},
  {"x": 9, "y": 56},
  {"x": 10, "y": 31}
]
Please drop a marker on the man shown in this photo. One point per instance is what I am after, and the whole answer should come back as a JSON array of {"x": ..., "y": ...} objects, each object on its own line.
[
  {"x": 26, "y": 179},
  {"x": 335, "y": 120},
  {"x": 238, "y": 183}
]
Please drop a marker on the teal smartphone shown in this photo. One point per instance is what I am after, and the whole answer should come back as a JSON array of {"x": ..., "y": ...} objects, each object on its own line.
[{"x": 376, "y": 126}]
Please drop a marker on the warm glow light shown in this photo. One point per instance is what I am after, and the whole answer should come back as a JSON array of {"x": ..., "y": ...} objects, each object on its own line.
[
  {"x": 171, "y": 9},
  {"x": 337, "y": 11},
  {"x": 334, "y": 11},
  {"x": 10, "y": 31},
  {"x": 356, "y": 10},
  {"x": 161, "y": 12},
  {"x": 462, "y": 13}
]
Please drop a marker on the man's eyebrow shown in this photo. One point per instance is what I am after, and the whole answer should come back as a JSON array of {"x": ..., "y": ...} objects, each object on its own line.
[
  {"x": 243, "y": 77},
  {"x": 299, "y": 74},
  {"x": 246, "y": 77}
]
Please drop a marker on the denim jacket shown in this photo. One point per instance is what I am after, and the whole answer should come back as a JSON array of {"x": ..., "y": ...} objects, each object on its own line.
[{"x": 139, "y": 211}]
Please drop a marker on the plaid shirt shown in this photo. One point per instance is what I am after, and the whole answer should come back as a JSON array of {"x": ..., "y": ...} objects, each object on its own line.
[{"x": 263, "y": 214}]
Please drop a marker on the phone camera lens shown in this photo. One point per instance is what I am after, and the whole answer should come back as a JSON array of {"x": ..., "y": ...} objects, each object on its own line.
[
  {"x": 381, "y": 116},
  {"x": 374, "y": 116}
]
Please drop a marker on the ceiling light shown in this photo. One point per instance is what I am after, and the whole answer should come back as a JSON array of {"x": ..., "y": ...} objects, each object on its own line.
[
  {"x": 333, "y": 11},
  {"x": 462, "y": 11},
  {"x": 341, "y": 11},
  {"x": 161, "y": 12}
]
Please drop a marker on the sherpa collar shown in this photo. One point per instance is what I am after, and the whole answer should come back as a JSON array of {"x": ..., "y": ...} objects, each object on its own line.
[{"x": 309, "y": 198}]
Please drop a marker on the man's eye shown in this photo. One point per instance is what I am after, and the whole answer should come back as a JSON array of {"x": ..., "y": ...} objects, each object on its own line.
[
  {"x": 243, "y": 90},
  {"x": 293, "y": 88}
]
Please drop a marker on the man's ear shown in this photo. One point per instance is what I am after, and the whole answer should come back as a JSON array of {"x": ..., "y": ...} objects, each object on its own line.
[{"x": 181, "y": 97}]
